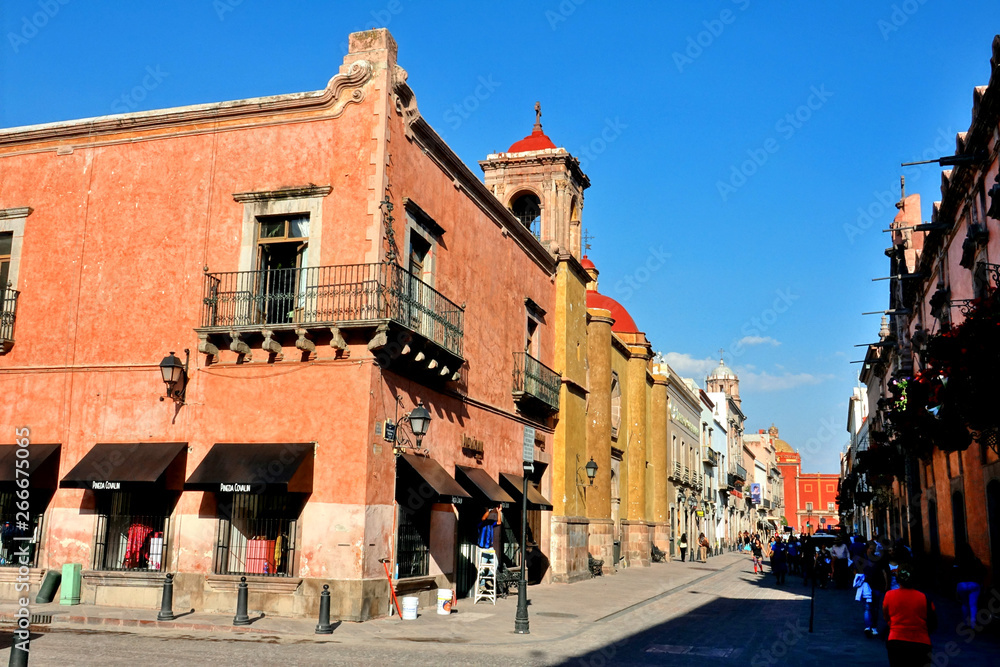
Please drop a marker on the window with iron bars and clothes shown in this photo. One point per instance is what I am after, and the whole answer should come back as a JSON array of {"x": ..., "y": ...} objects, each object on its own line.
[
  {"x": 257, "y": 533},
  {"x": 19, "y": 538},
  {"x": 131, "y": 530}
]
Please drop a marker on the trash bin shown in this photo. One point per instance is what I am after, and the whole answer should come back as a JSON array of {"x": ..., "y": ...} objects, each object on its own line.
[
  {"x": 70, "y": 592},
  {"x": 47, "y": 591}
]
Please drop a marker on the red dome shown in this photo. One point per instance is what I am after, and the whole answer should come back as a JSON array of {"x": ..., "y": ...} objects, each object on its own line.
[
  {"x": 535, "y": 141},
  {"x": 586, "y": 263},
  {"x": 623, "y": 321}
]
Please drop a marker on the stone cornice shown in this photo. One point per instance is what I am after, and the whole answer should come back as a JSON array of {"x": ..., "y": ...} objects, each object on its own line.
[
  {"x": 14, "y": 213},
  {"x": 574, "y": 264},
  {"x": 248, "y": 110},
  {"x": 304, "y": 192}
]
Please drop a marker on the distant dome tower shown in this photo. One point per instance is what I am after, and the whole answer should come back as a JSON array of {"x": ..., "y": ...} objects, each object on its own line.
[
  {"x": 542, "y": 185},
  {"x": 724, "y": 379}
]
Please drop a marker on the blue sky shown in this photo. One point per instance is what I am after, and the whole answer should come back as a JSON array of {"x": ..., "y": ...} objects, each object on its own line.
[{"x": 730, "y": 144}]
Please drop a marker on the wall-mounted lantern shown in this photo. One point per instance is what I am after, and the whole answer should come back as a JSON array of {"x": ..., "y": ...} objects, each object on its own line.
[{"x": 174, "y": 375}]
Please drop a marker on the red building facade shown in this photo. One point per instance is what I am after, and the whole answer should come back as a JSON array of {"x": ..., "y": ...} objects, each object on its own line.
[
  {"x": 810, "y": 498},
  {"x": 321, "y": 263}
]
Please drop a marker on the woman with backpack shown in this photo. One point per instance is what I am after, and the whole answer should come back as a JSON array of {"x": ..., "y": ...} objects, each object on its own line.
[
  {"x": 683, "y": 545},
  {"x": 911, "y": 618}
]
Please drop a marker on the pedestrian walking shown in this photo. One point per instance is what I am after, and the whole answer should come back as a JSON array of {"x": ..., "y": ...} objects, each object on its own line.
[
  {"x": 792, "y": 554},
  {"x": 969, "y": 573},
  {"x": 911, "y": 618},
  {"x": 757, "y": 549},
  {"x": 840, "y": 555},
  {"x": 703, "y": 547},
  {"x": 683, "y": 545},
  {"x": 874, "y": 567},
  {"x": 779, "y": 561}
]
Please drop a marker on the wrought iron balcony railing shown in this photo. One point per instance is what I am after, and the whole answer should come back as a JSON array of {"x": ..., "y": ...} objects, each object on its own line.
[
  {"x": 741, "y": 472},
  {"x": 8, "y": 311},
  {"x": 711, "y": 457},
  {"x": 677, "y": 471},
  {"x": 345, "y": 295},
  {"x": 533, "y": 379},
  {"x": 687, "y": 474},
  {"x": 765, "y": 503}
]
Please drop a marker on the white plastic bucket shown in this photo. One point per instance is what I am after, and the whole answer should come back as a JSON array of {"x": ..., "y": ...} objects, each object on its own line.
[
  {"x": 444, "y": 601},
  {"x": 410, "y": 605}
]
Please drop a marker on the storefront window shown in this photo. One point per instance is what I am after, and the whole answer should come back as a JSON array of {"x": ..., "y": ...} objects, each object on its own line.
[
  {"x": 131, "y": 531},
  {"x": 413, "y": 552},
  {"x": 257, "y": 533},
  {"x": 12, "y": 542}
]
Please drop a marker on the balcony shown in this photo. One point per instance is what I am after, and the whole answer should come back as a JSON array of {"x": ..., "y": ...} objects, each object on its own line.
[
  {"x": 711, "y": 457},
  {"x": 535, "y": 383},
  {"x": 766, "y": 503},
  {"x": 741, "y": 472},
  {"x": 8, "y": 311},
  {"x": 677, "y": 474},
  {"x": 687, "y": 475},
  {"x": 406, "y": 318}
]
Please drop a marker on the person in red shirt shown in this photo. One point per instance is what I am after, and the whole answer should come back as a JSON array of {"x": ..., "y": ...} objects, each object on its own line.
[{"x": 911, "y": 618}]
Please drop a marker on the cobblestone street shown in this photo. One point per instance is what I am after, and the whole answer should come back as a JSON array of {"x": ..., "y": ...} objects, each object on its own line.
[{"x": 675, "y": 614}]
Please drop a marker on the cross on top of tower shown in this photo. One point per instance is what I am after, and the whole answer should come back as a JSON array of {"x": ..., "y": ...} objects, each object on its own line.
[
  {"x": 721, "y": 354},
  {"x": 538, "y": 116},
  {"x": 587, "y": 238}
]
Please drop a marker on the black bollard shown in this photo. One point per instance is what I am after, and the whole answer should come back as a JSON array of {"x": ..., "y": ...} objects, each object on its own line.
[
  {"x": 324, "y": 627},
  {"x": 167, "y": 601},
  {"x": 241, "y": 604},
  {"x": 19, "y": 656}
]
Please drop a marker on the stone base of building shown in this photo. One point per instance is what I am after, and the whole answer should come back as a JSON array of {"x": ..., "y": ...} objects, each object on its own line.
[
  {"x": 601, "y": 542},
  {"x": 9, "y": 583},
  {"x": 636, "y": 542},
  {"x": 661, "y": 537},
  {"x": 292, "y": 597},
  {"x": 568, "y": 555}
]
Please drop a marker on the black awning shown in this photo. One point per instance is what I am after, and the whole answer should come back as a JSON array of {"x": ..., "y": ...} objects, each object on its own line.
[
  {"x": 478, "y": 482},
  {"x": 42, "y": 467},
  {"x": 254, "y": 468},
  {"x": 441, "y": 484},
  {"x": 513, "y": 484},
  {"x": 114, "y": 467}
]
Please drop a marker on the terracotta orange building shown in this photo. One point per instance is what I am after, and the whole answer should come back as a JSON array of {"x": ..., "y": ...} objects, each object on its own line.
[
  {"x": 320, "y": 264},
  {"x": 810, "y": 499}
]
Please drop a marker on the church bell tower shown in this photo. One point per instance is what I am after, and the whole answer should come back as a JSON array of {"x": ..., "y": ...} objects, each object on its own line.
[{"x": 543, "y": 186}]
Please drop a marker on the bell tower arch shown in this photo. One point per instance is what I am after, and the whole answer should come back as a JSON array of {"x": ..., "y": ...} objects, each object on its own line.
[{"x": 542, "y": 185}]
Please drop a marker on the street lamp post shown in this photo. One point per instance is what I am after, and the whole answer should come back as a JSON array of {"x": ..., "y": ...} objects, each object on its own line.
[{"x": 521, "y": 617}]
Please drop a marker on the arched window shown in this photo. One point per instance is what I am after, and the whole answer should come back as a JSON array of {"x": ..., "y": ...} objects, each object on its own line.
[
  {"x": 528, "y": 209},
  {"x": 616, "y": 405}
]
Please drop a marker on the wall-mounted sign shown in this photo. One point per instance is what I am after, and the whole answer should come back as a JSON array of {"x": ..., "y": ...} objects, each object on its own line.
[
  {"x": 390, "y": 432},
  {"x": 700, "y": 513},
  {"x": 234, "y": 488},
  {"x": 529, "y": 444},
  {"x": 473, "y": 447},
  {"x": 106, "y": 486},
  {"x": 756, "y": 493}
]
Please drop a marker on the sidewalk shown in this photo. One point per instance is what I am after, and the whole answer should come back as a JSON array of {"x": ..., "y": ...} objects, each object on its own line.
[{"x": 556, "y": 611}]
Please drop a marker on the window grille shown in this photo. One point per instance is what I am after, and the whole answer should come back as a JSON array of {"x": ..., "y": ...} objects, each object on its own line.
[
  {"x": 131, "y": 532},
  {"x": 11, "y": 545},
  {"x": 256, "y": 534}
]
